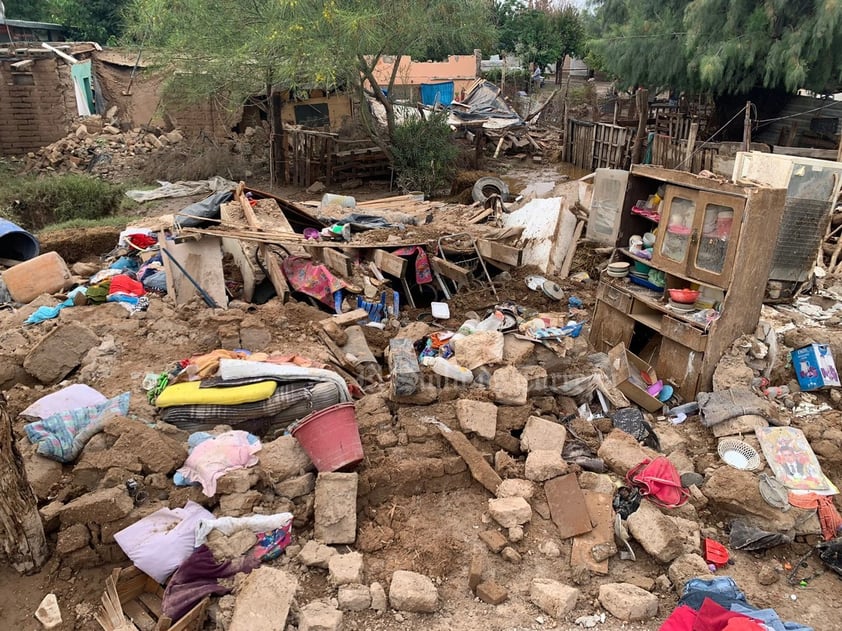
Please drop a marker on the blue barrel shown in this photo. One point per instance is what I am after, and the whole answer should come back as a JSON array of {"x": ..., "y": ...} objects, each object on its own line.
[{"x": 16, "y": 243}]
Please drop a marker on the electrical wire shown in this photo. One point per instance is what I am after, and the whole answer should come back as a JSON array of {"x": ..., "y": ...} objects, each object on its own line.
[
  {"x": 715, "y": 134},
  {"x": 815, "y": 109}
]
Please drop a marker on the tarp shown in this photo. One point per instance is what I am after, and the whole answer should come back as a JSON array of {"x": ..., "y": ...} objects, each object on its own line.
[
  {"x": 183, "y": 189},
  {"x": 484, "y": 102},
  {"x": 437, "y": 93}
]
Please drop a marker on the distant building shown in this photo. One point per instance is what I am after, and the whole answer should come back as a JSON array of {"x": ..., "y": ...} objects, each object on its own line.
[{"x": 25, "y": 31}]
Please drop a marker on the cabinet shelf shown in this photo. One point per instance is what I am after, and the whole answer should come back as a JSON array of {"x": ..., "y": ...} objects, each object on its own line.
[
  {"x": 629, "y": 254},
  {"x": 651, "y": 300}
]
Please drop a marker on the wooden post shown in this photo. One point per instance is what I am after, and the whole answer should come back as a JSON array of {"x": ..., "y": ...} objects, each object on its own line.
[
  {"x": 278, "y": 145},
  {"x": 22, "y": 537},
  {"x": 839, "y": 151},
  {"x": 691, "y": 147},
  {"x": 642, "y": 100},
  {"x": 747, "y": 128}
]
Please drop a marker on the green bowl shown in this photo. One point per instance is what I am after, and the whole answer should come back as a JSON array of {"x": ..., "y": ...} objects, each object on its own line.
[{"x": 643, "y": 268}]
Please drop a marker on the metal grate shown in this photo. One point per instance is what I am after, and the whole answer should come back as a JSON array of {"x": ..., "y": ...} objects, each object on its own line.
[{"x": 802, "y": 227}]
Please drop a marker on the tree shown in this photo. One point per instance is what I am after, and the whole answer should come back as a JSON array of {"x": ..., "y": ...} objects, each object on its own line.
[
  {"x": 724, "y": 46},
  {"x": 538, "y": 36},
  {"x": 22, "y": 539},
  {"x": 89, "y": 20},
  {"x": 234, "y": 49}
]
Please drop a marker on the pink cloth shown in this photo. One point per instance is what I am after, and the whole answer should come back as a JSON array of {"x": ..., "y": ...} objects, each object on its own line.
[{"x": 215, "y": 457}]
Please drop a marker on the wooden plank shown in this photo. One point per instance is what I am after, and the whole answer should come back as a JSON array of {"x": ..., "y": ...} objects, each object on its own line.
[
  {"x": 351, "y": 317},
  {"x": 338, "y": 262},
  {"x": 152, "y": 603},
  {"x": 389, "y": 263},
  {"x": 138, "y": 615},
  {"x": 480, "y": 469},
  {"x": 567, "y": 506},
  {"x": 571, "y": 251},
  {"x": 450, "y": 270},
  {"x": 498, "y": 252},
  {"x": 270, "y": 260},
  {"x": 602, "y": 516}
]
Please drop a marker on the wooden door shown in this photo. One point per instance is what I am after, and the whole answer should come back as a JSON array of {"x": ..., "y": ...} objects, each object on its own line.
[
  {"x": 673, "y": 243},
  {"x": 680, "y": 367},
  {"x": 714, "y": 240},
  {"x": 610, "y": 327}
]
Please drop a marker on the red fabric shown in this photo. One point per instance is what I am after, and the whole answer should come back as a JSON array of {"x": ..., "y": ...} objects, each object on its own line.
[
  {"x": 829, "y": 517},
  {"x": 142, "y": 241},
  {"x": 122, "y": 284},
  {"x": 714, "y": 617},
  {"x": 681, "y": 619},
  {"x": 658, "y": 480}
]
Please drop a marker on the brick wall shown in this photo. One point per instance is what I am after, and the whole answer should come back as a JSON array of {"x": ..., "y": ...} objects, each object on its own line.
[
  {"x": 208, "y": 118},
  {"x": 36, "y": 107}
]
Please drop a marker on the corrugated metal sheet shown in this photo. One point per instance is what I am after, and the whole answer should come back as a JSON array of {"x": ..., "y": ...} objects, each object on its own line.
[{"x": 798, "y": 109}]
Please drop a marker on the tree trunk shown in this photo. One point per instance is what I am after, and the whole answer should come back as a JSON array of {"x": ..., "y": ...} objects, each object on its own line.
[
  {"x": 21, "y": 531},
  {"x": 277, "y": 140}
]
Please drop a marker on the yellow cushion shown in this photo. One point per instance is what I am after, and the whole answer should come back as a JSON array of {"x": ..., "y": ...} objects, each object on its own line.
[{"x": 189, "y": 393}]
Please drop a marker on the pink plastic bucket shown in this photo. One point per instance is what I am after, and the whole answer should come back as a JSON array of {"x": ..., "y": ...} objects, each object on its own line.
[{"x": 331, "y": 437}]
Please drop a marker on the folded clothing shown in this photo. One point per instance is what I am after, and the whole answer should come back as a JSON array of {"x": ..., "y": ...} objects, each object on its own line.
[
  {"x": 290, "y": 402},
  {"x": 191, "y": 393}
]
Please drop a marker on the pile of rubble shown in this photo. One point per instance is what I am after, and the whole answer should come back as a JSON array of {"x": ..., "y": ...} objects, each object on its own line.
[{"x": 109, "y": 147}]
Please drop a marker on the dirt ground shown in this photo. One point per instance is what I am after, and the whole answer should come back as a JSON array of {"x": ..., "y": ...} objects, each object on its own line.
[{"x": 432, "y": 533}]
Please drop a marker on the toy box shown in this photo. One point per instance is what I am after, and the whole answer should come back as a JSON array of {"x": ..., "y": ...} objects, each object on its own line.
[{"x": 814, "y": 367}]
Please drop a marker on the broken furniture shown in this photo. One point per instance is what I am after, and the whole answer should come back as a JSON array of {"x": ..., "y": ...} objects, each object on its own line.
[
  {"x": 715, "y": 236},
  {"x": 138, "y": 598},
  {"x": 812, "y": 191}
]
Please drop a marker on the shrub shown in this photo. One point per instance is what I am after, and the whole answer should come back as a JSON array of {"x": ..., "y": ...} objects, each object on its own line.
[
  {"x": 424, "y": 154},
  {"x": 34, "y": 202}
]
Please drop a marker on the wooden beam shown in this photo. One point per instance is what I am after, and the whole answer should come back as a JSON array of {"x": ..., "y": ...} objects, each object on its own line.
[
  {"x": 20, "y": 66},
  {"x": 571, "y": 251}
]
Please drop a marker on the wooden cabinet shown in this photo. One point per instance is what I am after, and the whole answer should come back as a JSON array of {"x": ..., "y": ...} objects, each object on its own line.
[
  {"x": 717, "y": 237},
  {"x": 697, "y": 235},
  {"x": 609, "y": 328}
]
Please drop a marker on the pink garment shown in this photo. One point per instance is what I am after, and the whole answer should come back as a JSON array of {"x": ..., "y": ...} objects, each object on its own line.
[{"x": 215, "y": 457}]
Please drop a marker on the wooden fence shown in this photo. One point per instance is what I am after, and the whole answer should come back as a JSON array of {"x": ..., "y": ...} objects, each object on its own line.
[
  {"x": 316, "y": 155},
  {"x": 671, "y": 153},
  {"x": 592, "y": 146}
]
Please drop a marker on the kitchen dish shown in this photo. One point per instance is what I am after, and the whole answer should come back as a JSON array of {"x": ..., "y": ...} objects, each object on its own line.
[{"x": 684, "y": 296}]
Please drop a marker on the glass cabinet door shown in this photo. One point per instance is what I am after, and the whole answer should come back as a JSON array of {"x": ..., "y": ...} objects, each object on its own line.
[
  {"x": 716, "y": 234},
  {"x": 675, "y": 241},
  {"x": 717, "y": 231}
]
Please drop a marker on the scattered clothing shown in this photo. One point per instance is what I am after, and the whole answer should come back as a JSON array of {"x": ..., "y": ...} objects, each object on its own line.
[
  {"x": 829, "y": 517},
  {"x": 160, "y": 542},
  {"x": 312, "y": 279},
  {"x": 423, "y": 272},
  {"x": 198, "y": 576},
  {"x": 659, "y": 482},
  {"x": 62, "y": 436},
  {"x": 723, "y": 405},
  {"x": 125, "y": 284},
  {"x": 230, "y": 525},
  {"x": 42, "y": 314},
  {"x": 213, "y": 458}
]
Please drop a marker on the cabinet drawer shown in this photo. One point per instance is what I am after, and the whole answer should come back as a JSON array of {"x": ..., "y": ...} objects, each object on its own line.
[
  {"x": 619, "y": 299},
  {"x": 683, "y": 333}
]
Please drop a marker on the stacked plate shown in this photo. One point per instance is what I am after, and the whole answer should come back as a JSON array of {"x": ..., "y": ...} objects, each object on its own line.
[
  {"x": 681, "y": 307},
  {"x": 618, "y": 270}
]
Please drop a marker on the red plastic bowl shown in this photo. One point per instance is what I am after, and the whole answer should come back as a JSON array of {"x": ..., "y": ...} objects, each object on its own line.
[{"x": 684, "y": 296}]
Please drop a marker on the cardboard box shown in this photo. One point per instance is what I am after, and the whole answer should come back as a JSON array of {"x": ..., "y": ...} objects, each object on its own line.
[
  {"x": 623, "y": 362},
  {"x": 814, "y": 367}
]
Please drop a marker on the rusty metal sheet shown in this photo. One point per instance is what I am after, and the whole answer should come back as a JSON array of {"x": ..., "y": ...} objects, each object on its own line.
[
  {"x": 567, "y": 506},
  {"x": 602, "y": 516}
]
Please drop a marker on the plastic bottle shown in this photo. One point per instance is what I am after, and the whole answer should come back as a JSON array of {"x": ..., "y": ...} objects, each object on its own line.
[
  {"x": 448, "y": 370},
  {"x": 468, "y": 327}
]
